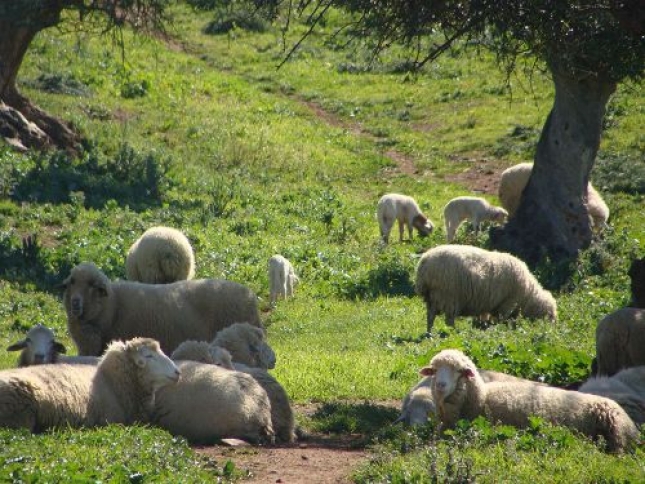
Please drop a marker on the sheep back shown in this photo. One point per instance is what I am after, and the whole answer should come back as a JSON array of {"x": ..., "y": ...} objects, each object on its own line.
[{"x": 620, "y": 340}]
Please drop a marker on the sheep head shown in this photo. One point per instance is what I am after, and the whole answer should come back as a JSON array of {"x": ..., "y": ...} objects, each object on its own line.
[
  {"x": 157, "y": 369},
  {"x": 85, "y": 288},
  {"x": 422, "y": 224},
  {"x": 38, "y": 347},
  {"x": 447, "y": 369}
]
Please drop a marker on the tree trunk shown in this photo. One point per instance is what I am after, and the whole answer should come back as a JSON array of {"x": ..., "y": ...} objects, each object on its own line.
[
  {"x": 552, "y": 219},
  {"x": 22, "y": 124}
]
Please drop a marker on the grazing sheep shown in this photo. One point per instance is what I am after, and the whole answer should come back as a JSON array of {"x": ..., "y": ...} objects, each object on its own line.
[
  {"x": 637, "y": 283},
  {"x": 282, "y": 278},
  {"x": 473, "y": 209},
  {"x": 40, "y": 347},
  {"x": 247, "y": 344},
  {"x": 461, "y": 280},
  {"x": 403, "y": 209},
  {"x": 514, "y": 179},
  {"x": 203, "y": 352},
  {"x": 118, "y": 390},
  {"x": 160, "y": 256},
  {"x": 99, "y": 311},
  {"x": 627, "y": 388},
  {"x": 620, "y": 341},
  {"x": 211, "y": 403},
  {"x": 459, "y": 392}
]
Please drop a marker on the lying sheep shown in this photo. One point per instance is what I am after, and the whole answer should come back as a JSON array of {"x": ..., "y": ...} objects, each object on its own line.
[
  {"x": 637, "y": 283},
  {"x": 459, "y": 392},
  {"x": 282, "y": 278},
  {"x": 514, "y": 179},
  {"x": 620, "y": 341},
  {"x": 247, "y": 344},
  {"x": 99, "y": 311},
  {"x": 403, "y": 209},
  {"x": 461, "y": 280},
  {"x": 40, "y": 347},
  {"x": 119, "y": 390},
  {"x": 211, "y": 403},
  {"x": 474, "y": 209},
  {"x": 203, "y": 352},
  {"x": 160, "y": 256}
]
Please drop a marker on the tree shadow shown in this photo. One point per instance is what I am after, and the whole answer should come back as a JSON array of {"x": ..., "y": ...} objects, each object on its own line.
[{"x": 390, "y": 279}]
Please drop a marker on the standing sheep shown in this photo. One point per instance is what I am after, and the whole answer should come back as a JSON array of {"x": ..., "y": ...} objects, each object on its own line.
[
  {"x": 474, "y": 209},
  {"x": 514, "y": 179},
  {"x": 160, "y": 256},
  {"x": 620, "y": 341},
  {"x": 99, "y": 311},
  {"x": 282, "y": 278},
  {"x": 40, "y": 347},
  {"x": 395, "y": 207},
  {"x": 211, "y": 403},
  {"x": 461, "y": 280},
  {"x": 459, "y": 392}
]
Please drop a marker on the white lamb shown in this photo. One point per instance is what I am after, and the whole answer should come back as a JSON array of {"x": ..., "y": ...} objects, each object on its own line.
[
  {"x": 203, "y": 352},
  {"x": 459, "y": 392},
  {"x": 404, "y": 209},
  {"x": 620, "y": 340},
  {"x": 461, "y": 280},
  {"x": 211, "y": 403},
  {"x": 282, "y": 278},
  {"x": 160, "y": 256},
  {"x": 40, "y": 347},
  {"x": 247, "y": 344},
  {"x": 99, "y": 311},
  {"x": 514, "y": 179},
  {"x": 119, "y": 390},
  {"x": 474, "y": 209}
]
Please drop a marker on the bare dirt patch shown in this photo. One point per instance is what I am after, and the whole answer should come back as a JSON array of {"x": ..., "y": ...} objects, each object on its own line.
[{"x": 481, "y": 175}]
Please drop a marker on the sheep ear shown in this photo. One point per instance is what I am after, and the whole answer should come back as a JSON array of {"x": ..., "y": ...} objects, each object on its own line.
[
  {"x": 63, "y": 285},
  {"x": 468, "y": 373},
  {"x": 20, "y": 345},
  {"x": 59, "y": 347},
  {"x": 427, "y": 371}
]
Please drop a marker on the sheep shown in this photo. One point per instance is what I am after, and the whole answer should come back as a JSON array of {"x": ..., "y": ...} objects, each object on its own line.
[
  {"x": 160, "y": 256},
  {"x": 40, "y": 347},
  {"x": 405, "y": 210},
  {"x": 459, "y": 392},
  {"x": 473, "y": 209},
  {"x": 211, "y": 403},
  {"x": 514, "y": 179},
  {"x": 203, "y": 352},
  {"x": 247, "y": 344},
  {"x": 99, "y": 311},
  {"x": 282, "y": 278},
  {"x": 461, "y": 280},
  {"x": 118, "y": 390},
  {"x": 637, "y": 283},
  {"x": 620, "y": 341}
]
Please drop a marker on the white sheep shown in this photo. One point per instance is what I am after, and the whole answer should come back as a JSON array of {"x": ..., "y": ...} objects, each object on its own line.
[
  {"x": 620, "y": 340},
  {"x": 99, "y": 311},
  {"x": 459, "y": 392},
  {"x": 40, "y": 347},
  {"x": 160, "y": 256},
  {"x": 282, "y": 278},
  {"x": 247, "y": 344},
  {"x": 211, "y": 403},
  {"x": 461, "y": 280},
  {"x": 119, "y": 390},
  {"x": 203, "y": 352},
  {"x": 514, "y": 179},
  {"x": 474, "y": 209},
  {"x": 404, "y": 209}
]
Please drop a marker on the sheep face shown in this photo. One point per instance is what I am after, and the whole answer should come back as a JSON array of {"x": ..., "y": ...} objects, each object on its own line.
[
  {"x": 157, "y": 367},
  {"x": 499, "y": 215},
  {"x": 221, "y": 357},
  {"x": 38, "y": 347},
  {"x": 423, "y": 225},
  {"x": 445, "y": 378},
  {"x": 265, "y": 355},
  {"x": 85, "y": 293}
]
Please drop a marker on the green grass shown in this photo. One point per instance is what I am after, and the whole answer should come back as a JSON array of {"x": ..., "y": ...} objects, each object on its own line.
[{"x": 213, "y": 139}]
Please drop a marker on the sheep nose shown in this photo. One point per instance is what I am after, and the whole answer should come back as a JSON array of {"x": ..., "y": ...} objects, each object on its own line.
[
  {"x": 440, "y": 385},
  {"x": 39, "y": 359}
]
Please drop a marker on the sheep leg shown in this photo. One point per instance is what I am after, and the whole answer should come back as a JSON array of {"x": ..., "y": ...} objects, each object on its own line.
[
  {"x": 431, "y": 313},
  {"x": 476, "y": 223},
  {"x": 290, "y": 286},
  {"x": 450, "y": 230},
  {"x": 386, "y": 228},
  {"x": 401, "y": 231}
]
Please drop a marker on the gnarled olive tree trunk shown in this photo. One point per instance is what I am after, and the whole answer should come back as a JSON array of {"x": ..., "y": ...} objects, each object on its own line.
[{"x": 552, "y": 218}]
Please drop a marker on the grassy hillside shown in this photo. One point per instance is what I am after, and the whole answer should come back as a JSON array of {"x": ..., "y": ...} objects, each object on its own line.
[{"x": 203, "y": 133}]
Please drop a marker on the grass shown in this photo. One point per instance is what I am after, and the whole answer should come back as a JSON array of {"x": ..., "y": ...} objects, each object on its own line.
[{"x": 206, "y": 135}]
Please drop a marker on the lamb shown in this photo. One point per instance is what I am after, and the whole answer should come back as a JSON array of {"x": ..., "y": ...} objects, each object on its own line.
[
  {"x": 620, "y": 341},
  {"x": 160, "y": 256},
  {"x": 405, "y": 210},
  {"x": 247, "y": 344},
  {"x": 118, "y": 390},
  {"x": 473, "y": 209},
  {"x": 459, "y": 392},
  {"x": 282, "y": 278},
  {"x": 637, "y": 283},
  {"x": 40, "y": 347},
  {"x": 514, "y": 179},
  {"x": 203, "y": 352},
  {"x": 99, "y": 311},
  {"x": 211, "y": 403},
  {"x": 461, "y": 280}
]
